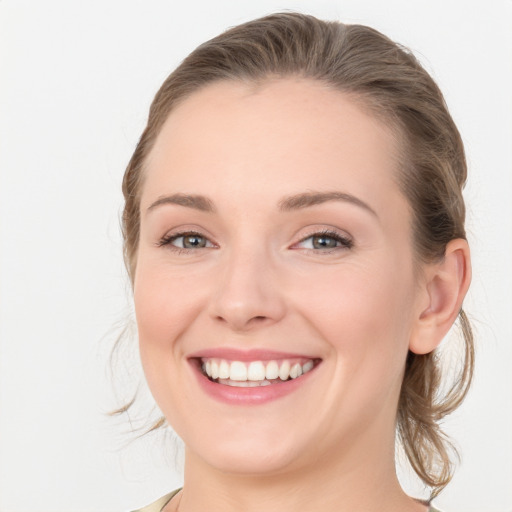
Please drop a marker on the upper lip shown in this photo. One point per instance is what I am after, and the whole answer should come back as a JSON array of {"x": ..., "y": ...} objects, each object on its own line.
[{"x": 235, "y": 354}]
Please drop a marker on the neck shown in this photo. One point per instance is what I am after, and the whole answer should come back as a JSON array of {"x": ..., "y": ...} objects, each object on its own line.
[{"x": 357, "y": 481}]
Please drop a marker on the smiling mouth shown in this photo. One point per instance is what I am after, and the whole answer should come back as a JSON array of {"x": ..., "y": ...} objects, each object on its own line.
[{"x": 255, "y": 373}]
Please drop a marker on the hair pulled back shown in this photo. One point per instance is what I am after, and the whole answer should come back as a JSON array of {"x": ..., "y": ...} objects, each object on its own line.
[{"x": 387, "y": 79}]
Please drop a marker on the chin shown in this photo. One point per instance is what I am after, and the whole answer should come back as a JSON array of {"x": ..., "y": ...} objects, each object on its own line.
[
  {"x": 253, "y": 463},
  {"x": 250, "y": 456}
]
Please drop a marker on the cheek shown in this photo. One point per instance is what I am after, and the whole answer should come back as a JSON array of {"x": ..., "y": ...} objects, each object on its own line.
[
  {"x": 165, "y": 304},
  {"x": 362, "y": 311}
]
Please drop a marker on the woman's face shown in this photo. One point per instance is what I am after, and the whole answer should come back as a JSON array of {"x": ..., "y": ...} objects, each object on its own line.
[{"x": 274, "y": 240}]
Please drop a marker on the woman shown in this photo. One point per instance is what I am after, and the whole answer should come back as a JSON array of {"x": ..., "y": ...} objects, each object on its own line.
[{"x": 294, "y": 232}]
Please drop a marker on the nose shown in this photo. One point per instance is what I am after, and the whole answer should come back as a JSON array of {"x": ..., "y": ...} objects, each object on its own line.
[{"x": 248, "y": 294}]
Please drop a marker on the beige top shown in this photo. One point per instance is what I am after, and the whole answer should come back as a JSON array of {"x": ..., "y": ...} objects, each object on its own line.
[{"x": 158, "y": 505}]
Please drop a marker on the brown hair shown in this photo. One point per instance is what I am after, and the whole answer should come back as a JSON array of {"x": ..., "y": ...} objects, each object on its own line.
[{"x": 387, "y": 79}]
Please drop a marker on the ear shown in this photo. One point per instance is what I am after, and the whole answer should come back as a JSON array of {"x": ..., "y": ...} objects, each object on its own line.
[{"x": 445, "y": 286}]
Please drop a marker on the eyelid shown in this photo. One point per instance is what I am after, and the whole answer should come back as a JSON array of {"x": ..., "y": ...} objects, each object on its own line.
[
  {"x": 169, "y": 237},
  {"x": 345, "y": 240}
]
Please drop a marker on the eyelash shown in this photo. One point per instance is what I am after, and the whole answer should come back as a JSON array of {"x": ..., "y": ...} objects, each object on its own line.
[
  {"x": 168, "y": 239},
  {"x": 344, "y": 241}
]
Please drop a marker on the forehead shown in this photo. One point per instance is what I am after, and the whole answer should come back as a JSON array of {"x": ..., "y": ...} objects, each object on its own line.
[{"x": 279, "y": 137}]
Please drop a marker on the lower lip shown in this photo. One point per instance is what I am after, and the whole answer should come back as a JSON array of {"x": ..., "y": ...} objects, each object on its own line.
[{"x": 250, "y": 396}]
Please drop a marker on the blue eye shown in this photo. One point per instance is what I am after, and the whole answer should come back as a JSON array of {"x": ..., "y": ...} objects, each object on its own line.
[
  {"x": 325, "y": 242},
  {"x": 186, "y": 241}
]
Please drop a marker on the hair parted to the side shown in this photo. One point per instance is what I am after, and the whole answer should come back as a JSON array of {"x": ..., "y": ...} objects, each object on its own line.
[{"x": 387, "y": 79}]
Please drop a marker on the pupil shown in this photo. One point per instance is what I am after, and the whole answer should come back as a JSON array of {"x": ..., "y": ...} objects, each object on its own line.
[
  {"x": 324, "y": 242},
  {"x": 191, "y": 241}
]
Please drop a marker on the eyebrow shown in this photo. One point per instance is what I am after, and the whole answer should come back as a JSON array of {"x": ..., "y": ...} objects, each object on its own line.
[
  {"x": 196, "y": 202},
  {"x": 290, "y": 203},
  {"x": 308, "y": 199}
]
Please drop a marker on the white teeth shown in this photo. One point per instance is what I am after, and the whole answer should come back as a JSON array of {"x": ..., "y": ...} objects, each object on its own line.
[
  {"x": 256, "y": 371},
  {"x": 272, "y": 370},
  {"x": 295, "y": 371},
  {"x": 307, "y": 367},
  {"x": 215, "y": 370},
  {"x": 224, "y": 370},
  {"x": 244, "y": 384},
  {"x": 284, "y": 371},
  {"x": 237, "y": 371}
]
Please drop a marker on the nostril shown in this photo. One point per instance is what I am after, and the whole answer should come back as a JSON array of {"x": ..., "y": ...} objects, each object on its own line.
[
  {"x": 259, "y": 318},
  {"x": 256, "y": 320}
]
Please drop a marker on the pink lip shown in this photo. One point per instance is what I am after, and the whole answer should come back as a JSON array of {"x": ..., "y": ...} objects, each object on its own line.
[
  {"x": 233, "y": 354},
  {"x": 247, "y": 396}
]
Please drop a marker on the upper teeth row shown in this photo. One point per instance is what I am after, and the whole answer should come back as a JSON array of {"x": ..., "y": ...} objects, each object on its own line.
[{"x": 255, "y": 370}]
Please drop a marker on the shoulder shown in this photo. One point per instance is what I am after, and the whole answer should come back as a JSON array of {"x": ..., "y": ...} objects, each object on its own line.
[{"x": 159, "y": 504}]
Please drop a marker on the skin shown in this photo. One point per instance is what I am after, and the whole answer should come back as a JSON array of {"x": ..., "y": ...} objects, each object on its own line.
[{"x": 260, "y": 283}]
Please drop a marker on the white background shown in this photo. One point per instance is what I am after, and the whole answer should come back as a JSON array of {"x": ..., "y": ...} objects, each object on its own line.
[{"x": 76, "y": 80}]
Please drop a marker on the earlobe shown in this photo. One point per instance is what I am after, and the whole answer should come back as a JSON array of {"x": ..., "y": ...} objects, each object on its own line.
[{"x": 445, "y": 287}]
